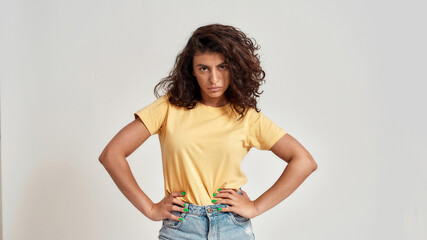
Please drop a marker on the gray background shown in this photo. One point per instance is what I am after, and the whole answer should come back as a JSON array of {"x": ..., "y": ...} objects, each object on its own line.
[{"x": 345, "y": 78}]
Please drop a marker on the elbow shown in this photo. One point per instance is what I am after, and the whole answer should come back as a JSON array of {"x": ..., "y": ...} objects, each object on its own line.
[
  {"x": 106, "y": 161},
  {"x": 109, "y": 157},
  {"x": 309, "y": 163},
  {"x": 306, "y": 161},
  {"x": 103, "y": 157},
  {"x": 313, "y": 163},
  {"x": 314, "y": 168}
]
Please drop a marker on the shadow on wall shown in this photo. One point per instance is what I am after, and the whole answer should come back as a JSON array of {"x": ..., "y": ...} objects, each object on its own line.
[{"x": 55, "y": 201}]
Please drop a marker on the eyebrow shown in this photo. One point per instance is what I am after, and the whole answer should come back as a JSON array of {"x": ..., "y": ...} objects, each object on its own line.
[{"x": 203, "y": 65}]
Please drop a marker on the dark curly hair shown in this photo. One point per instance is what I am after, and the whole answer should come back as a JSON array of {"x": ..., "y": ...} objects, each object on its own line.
[{"x": 246, "y": 74}]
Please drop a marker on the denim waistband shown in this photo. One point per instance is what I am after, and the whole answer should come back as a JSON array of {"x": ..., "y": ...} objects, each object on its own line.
[{"x": 209, "y": 209}]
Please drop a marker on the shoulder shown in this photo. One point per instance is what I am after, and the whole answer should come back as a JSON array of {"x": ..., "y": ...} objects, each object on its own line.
[
  {"x": 157, "y": 106},
  {"x": 162, "y": 101},
  {"x": 252, "y": 115}
]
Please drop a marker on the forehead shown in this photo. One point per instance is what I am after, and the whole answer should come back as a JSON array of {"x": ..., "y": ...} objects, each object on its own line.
[{"x": 213, "y": 57}]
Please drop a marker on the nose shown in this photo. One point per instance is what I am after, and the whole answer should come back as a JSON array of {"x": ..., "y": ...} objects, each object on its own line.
[{"x": 214, "y": 77}]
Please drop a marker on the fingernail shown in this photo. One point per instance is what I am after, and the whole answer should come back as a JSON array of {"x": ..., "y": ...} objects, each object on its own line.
[
  {"x": 219, "y": 189},
  {"x": 185, "y": 209},
  {"x": 214, "y": 194},
  {"x": 184, "y": 204},
  {"x": 180, "y": 219},
  {"x": 183, "y": 193},
  {"x": 219, "y": 209},
  {"x": 214, "y": 200}
]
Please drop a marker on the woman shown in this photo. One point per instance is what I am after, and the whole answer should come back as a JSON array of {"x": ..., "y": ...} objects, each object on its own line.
[{"x": 206, "y": 123}]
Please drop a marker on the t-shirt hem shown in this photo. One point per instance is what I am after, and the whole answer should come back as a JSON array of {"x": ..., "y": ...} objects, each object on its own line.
[
  {"x": 276, "y": 139},
  {"x": 150, "y": 128}
]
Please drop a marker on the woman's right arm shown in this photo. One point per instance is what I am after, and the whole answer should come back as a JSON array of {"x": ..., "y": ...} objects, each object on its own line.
[{"x": 113, "y": 158}]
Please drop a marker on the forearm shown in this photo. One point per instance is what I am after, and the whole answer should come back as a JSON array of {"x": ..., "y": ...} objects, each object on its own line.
[
  {"x": 120, "y": 172},
  {"x": 296, "y": 171}
]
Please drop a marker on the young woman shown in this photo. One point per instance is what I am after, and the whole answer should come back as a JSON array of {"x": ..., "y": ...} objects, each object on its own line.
[{"x": 206, "y": 122}]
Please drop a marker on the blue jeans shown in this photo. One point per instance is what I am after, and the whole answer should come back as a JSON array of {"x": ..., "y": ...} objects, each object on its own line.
[{"x": 206, "y": 222}]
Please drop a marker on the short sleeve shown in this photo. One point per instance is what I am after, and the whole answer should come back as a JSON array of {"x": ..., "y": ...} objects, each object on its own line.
[
  {"x": 154, "y": 115},
  {"x": 263, "y": 133}
]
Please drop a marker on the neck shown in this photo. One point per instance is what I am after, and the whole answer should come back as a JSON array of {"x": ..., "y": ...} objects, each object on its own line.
[{"x": 214, "y": 102}]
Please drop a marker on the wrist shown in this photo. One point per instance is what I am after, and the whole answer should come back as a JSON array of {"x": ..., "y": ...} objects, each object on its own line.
[
  {"x": 257, "y": 210},
  {"x": 149, "y": 211}
]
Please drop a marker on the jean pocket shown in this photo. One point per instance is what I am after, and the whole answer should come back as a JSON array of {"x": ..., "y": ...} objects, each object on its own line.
[
  {"x": 238, "y": 219},
  {"x": 173, "y": 223}
]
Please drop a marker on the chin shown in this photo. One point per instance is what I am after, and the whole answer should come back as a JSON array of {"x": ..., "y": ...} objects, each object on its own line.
[{"x": 215, "y": 95}]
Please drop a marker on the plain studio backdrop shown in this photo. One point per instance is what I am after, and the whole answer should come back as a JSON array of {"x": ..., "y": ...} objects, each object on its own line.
[{"x": 345, "y": 78}]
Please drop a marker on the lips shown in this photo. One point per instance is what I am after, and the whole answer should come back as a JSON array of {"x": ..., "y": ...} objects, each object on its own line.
[{"x": 215, "y": 89}]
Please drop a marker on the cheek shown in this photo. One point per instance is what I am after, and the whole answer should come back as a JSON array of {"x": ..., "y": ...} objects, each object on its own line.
[
  {"x": 199, "y": 80},
  {"x": 227, "y": 78}
]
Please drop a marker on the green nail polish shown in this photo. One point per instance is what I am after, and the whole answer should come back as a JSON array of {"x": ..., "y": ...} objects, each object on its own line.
[
  {"x": 219, "y": 189},
  {"x": 180, "y": 219},
  {"x": 183, "y": 193},
  {"x": 214, "y": 194},
  {"x": 219, "y": 209},
  {"x": 214, "y": 200},
  {"x": 184, "y": 204},
  {"x": 185, "y": 209}
]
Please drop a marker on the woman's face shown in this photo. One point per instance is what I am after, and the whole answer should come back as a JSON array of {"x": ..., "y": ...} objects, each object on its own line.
[{"x": 212, "y": 74}]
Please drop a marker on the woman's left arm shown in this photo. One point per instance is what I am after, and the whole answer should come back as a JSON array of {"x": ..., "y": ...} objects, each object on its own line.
[{"x": 300, "y": 165}]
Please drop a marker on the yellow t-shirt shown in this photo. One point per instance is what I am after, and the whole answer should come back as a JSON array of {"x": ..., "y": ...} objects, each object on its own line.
[{"x": 202, "y": 148}]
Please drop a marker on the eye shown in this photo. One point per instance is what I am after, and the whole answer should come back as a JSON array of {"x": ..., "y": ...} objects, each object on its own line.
[
  {"x": 223, "y": 67},
  {"x": 203, "y": 68}
]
